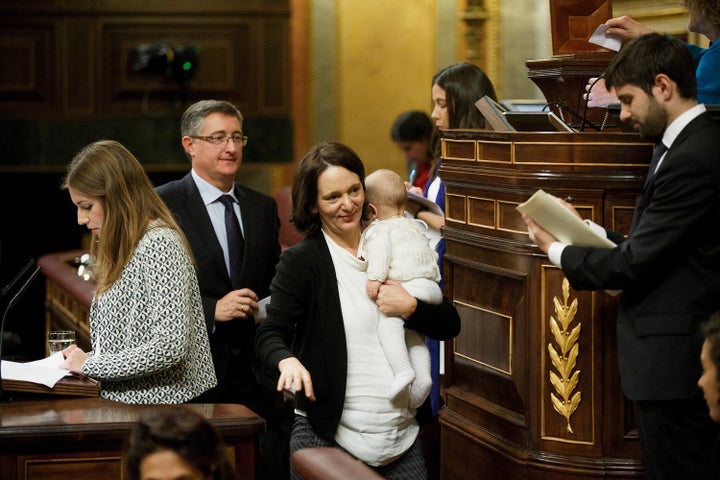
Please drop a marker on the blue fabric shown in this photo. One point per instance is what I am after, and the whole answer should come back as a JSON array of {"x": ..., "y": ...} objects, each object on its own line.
[
  {"x": 707, "y": 71},
  {"x": 434, "y": 345},
  {"x": 434, "y": 348}
]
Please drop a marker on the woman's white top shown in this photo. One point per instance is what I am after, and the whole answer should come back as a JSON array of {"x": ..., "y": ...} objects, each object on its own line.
[{"x": 371, "y": 427}]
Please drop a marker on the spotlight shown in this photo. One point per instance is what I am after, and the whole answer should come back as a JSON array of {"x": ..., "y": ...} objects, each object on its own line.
[
  {"x": 184, "y": 64},
  {"x": 153, "y": 58},
  {"x": 179, "y": 61}
]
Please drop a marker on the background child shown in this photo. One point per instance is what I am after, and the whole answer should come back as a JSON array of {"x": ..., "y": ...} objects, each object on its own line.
[{"x": 396, "y": 249}]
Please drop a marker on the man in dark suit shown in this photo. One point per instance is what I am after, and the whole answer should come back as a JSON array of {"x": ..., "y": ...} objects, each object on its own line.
[
  {"x": 668, "y": 267},
  {"x": 234, "y": 278}
]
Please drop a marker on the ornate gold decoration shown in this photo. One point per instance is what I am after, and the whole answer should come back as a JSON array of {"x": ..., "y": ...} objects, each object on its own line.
[
  {"x": 565, "y": 380},
  {"x": 479, "y": 24}
]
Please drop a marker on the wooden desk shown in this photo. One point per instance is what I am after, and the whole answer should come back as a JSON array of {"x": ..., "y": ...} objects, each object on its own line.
[
  {"x": 67, "y": 297},
  {"x": 516, "y": 409},
  {"x": 61, "y": 439}
]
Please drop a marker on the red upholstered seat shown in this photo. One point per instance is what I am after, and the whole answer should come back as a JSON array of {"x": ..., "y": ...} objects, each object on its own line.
[{"x": 288, "y": 235}]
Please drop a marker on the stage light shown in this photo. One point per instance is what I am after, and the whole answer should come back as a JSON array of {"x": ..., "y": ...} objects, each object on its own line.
[{"x": 179, "y": 61}]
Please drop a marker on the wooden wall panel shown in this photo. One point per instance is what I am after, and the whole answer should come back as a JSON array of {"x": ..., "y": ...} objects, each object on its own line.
[
  {"x": 78, "y": 81},
  {"x": 77, "y": 57},
  {"x": 226, "y": 63},
  {"x": 28, "y": 65},
  {"x": 274, "y": 75}
]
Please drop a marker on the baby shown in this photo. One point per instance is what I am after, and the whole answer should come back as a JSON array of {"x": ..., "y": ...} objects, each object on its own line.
[{"x": 395, "y": 248}]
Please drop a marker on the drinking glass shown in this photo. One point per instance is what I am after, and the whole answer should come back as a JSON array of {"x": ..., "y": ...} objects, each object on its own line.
[{"x": 59, "y": 340}]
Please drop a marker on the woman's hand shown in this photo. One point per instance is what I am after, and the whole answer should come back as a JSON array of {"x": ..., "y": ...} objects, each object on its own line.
[
  {"x": 294, "y": 377},
  {"x": 394, "y": 301},
  {"x": 625, "y": 28},
  {"x": 74, "y": 359},
  {"x": 413, "y": 208}
]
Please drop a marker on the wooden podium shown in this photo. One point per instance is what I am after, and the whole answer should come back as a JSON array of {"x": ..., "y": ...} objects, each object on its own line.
[
  {"x": 562, "y": 78},
  {"x": 67, "y": 297},
  {"x": 531, "y": 382},
  {"x": 71, "y": 385},
  {"x": 86, "y": 437}
]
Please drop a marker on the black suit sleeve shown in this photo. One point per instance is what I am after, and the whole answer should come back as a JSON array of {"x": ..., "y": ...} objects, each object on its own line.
[
  {"x": 439, "y": 322},
  {"x": 676, "y": 216}
]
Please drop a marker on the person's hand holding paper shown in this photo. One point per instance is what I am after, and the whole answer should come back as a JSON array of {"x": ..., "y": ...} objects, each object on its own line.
[
  {"x": 610, "y": 35},
  {"x": 550, "y": 219},
  {"x": 602, "y": 38},
  {"x": 541, "y": 237}
]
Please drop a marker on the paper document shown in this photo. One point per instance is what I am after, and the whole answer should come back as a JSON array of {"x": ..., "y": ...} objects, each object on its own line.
[
  {"x": 599, "y": 38},
  {"x": 262, "y": 309},
  {"x": 561, "y": 222},
  {"x": 426, "y": 203},
  {"x": 44, "y": 372}
]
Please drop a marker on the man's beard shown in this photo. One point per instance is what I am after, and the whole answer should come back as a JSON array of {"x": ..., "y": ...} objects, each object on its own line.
[{"x": 655, "y": 123}]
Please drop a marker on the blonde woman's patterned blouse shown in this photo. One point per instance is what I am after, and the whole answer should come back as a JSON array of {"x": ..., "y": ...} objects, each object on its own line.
[{"x": 150, "y": 342}]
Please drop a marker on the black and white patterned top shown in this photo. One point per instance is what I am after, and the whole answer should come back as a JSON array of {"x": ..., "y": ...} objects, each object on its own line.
[{"x": 150, "y": 342}]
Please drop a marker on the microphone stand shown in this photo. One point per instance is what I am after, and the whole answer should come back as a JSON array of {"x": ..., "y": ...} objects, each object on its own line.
[
  {"x": 10, "y": 304},
  {"x": 17, "y": 277}
]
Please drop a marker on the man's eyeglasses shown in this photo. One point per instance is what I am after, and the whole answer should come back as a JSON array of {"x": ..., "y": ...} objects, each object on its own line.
[{"x": 220, "y": 139}]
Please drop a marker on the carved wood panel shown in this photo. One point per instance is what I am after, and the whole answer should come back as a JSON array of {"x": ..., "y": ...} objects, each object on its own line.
[
  {"x": 532, "y": 376},
  {"x": 28, "y": 64},
  {"x": 80, "y": 59}
]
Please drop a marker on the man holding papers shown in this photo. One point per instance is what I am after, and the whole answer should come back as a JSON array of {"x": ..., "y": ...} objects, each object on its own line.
[{"x": 668, "y": 267}]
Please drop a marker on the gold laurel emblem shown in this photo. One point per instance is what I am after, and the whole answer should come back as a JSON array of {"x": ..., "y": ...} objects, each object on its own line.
[{"x": 564, "y": 379}]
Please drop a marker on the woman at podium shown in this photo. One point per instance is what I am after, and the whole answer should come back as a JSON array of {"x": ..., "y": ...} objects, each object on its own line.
[{"x": 147, "y": 328}]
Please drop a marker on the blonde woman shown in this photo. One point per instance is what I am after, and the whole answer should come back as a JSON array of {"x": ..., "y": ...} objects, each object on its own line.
[{"x": 147, "y": 328}]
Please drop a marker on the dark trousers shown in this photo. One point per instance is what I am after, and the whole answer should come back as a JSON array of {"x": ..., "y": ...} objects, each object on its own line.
[{"x": 676, "y": 437}]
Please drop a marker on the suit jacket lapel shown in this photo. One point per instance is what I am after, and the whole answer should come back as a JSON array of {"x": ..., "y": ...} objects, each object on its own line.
[
  {"x": 198, "y": 215},
  {"x": 701, "y": 121}
]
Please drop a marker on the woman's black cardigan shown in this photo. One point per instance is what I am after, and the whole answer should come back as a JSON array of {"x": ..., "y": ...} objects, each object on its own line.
[{"x": 304, "y": 320}]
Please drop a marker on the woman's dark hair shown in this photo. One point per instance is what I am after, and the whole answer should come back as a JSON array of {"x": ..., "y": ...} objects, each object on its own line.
[
  {"x": 464, "y": 84},
  {"x": 711, "y": 329},
  {"x": 412, "y": 126},
  {"x": 304, "y": 213},
  {"x": 183, "y": 431},
  {"x": 641, "y": 60}
]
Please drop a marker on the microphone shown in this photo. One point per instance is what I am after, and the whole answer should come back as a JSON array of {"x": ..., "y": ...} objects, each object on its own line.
[
  {"x": 11, "y": 303},
  {"x": 17, "y": 277},
  {"x": 563, "y": 107}
]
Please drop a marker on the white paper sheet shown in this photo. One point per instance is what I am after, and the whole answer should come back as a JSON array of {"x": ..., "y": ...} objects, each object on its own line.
[
  {"x": 44, "y": 372},
  {"x": 425, "y": 203},
  {"x": 262, "y": 309},
  {"x": 599, "y": 38}
]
